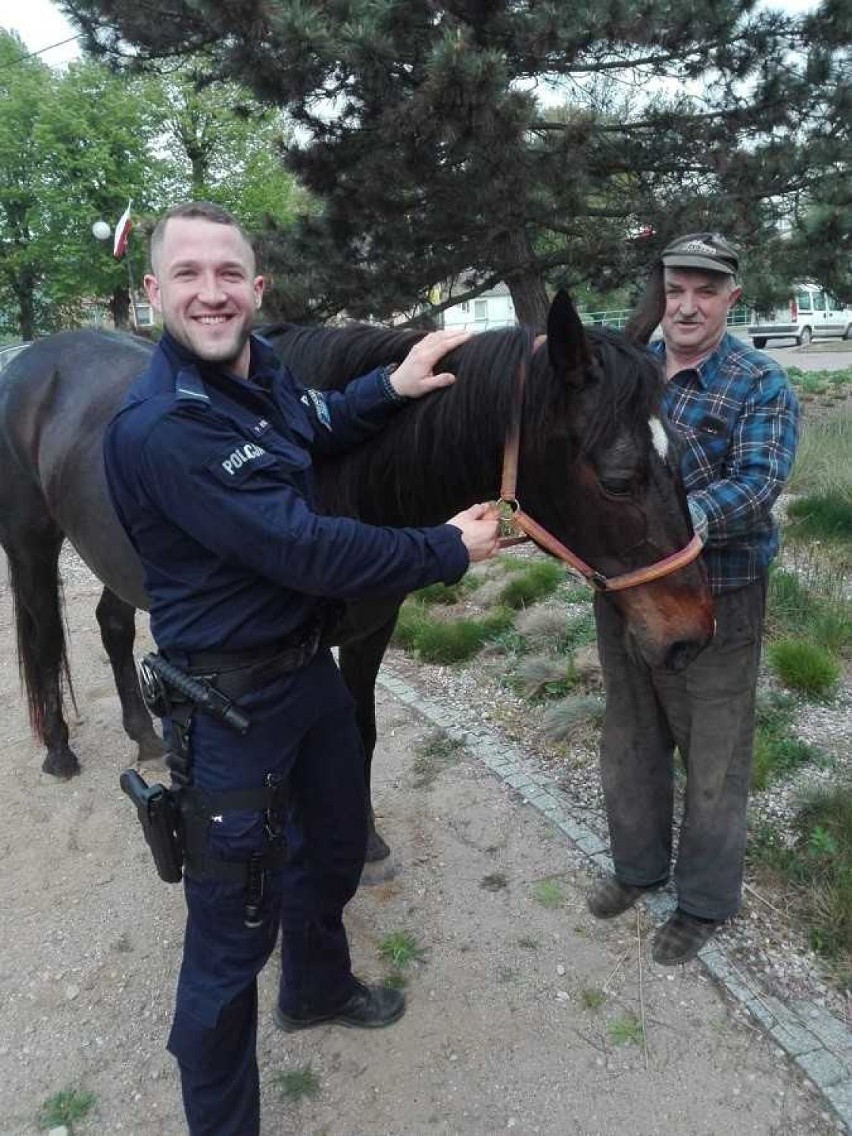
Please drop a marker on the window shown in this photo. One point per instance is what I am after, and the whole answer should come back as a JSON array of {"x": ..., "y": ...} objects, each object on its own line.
[
  {"x": 464, "y": 306},
  {"x": 803, "y": 301},
  {"x": 480, "y": 309},
  {"x": 819, "y": 301}
]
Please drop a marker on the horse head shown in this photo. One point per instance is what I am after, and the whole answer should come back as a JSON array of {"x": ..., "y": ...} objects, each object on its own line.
[{"x": 603, "y": 477}]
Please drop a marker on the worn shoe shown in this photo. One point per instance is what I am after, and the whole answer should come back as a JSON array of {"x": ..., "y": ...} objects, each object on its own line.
[
  {"x": 369, "y": 1007},
  {"x": 681, "y": 937},
  {"x": 609, "y": 897}
]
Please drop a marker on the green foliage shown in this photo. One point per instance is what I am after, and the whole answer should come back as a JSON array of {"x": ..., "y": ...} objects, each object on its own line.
[
  {"x": 298, "y": 1084},
  {"x": 816, "y": 870},
  {"x": 538, "y": 580},
  {"x": 804, "y": 666},
  {"x": 65, "y": 1108},
  {"x": 401, "y": 950}
]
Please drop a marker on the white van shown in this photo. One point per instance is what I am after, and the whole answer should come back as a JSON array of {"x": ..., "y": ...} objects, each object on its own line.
[{"x": 810, "y": 314}]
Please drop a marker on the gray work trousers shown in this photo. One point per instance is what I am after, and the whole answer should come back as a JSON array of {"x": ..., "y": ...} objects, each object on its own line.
[{"x": 707, "y": 711}]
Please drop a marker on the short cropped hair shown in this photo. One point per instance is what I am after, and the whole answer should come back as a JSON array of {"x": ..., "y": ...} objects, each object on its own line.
[{"x": 193, "y": 210}]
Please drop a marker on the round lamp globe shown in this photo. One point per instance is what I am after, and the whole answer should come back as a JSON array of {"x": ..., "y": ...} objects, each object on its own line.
[{"x": 101, "y": 230}]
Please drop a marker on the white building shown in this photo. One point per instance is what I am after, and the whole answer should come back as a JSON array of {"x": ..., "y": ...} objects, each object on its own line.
[{"x": 491, "y": 309}]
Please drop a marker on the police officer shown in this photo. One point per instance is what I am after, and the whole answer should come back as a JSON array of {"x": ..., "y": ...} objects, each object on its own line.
[{"x": 209, "y": 467}]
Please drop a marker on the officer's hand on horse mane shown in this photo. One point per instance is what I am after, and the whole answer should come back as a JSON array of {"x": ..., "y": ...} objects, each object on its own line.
[{"x": 414, "y": 376}]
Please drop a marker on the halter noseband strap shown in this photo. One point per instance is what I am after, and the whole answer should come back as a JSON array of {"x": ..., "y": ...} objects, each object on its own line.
[{"x": 532, "y": 530}]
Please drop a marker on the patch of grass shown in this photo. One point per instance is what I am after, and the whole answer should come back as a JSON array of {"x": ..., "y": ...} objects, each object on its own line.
[
  {"x": 549, "y": 893},
  {"x": 396, "y": 980},
  {"x": 809, "y": 605},
  {"x": 626, "y": 1030},
  {"x": 592, "y": 998},
  {"x": 298, "y": 1084},
  {"x": 446, "y": 594},
  {"x": 804, "y": 666},
  {"x": 446, "y": 641},
  {"x": 528, "y": 943},
  {"x": 777, "y": 752},
  {"x": 401, "y": 949},
  {"x": 495, "y": 881},
  {"x": 816, "y": 870},
  {"x": 822, "y": 459},
  {"x": 538, "y": 580},
  {"x": 827, "y": 516},
  {"x": 432, "y": 756},
  {"x": 65, "y": 1108}
]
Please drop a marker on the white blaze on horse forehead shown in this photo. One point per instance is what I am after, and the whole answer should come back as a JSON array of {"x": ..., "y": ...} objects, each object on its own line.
[{"x": 659, "y": 437}]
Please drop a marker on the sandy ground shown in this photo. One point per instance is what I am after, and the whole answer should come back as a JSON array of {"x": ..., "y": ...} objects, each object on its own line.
[{"x": 517, "y": 1012}]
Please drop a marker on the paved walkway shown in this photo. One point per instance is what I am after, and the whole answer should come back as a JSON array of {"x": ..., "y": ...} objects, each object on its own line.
[{"x": 816, "y": 1041}]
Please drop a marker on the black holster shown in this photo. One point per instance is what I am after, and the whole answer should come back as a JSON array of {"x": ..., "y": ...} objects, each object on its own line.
[{"x": 159, "y": 815}]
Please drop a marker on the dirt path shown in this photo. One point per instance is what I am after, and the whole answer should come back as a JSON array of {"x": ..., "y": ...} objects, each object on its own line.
[{"x": 524, "y": 1014}]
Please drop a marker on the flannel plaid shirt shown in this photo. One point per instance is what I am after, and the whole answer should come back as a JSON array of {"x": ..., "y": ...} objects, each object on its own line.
[{"x": 737, "y": 419}]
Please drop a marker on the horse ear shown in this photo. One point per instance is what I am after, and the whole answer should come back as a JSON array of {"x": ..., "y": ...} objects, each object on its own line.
[
  {"x": 650, "y": 309},
  {"x": 567, "y": 344}
]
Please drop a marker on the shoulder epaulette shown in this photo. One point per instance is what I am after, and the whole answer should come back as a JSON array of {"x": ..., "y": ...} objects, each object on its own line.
[{"x": 189, "y": 387}]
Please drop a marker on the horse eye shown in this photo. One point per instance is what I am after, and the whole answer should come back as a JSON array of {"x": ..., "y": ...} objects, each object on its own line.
[{"x": 616, "y": 487}]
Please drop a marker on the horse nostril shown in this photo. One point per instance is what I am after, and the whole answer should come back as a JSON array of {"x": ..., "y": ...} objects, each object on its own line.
[{"x": 681, "y": 654}]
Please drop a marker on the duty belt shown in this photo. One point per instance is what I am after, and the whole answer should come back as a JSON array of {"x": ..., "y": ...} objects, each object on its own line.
[{"x": 236, "y": 673}]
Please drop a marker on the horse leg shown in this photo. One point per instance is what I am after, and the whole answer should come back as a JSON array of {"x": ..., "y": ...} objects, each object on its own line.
[
  {"x": 360, "y": 659},
  {"x": 33, "y": 558},
  {"x": 117, "y": 621}
]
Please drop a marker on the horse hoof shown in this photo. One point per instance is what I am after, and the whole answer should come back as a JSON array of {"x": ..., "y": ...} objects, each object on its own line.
[
  {"x": 152, "y": 751},
  {"x": 63, "y": 764},
  {"x": 376, "y": 847},
  {"x": 378, "y": 872}
]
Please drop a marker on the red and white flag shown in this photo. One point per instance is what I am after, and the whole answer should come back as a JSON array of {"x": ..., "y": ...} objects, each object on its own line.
[{"x": 122, "y": 233}]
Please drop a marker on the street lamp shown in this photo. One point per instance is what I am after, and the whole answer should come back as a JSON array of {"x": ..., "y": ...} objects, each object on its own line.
[{"x": 101, "y": 231}]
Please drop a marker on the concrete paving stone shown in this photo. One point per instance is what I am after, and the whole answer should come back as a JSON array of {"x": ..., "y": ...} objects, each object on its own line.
[
  {"x": 834, "y": 1034},
  {"x": 823, "y": 1068},
  {"x": 839, "y": 1096}
]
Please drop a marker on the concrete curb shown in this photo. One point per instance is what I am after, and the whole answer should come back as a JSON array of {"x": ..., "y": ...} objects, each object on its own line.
[{"x": 812, "y": 1038}]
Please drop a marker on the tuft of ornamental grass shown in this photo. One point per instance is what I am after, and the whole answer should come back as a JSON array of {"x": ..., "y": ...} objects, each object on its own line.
[
  {"x": 65, "y": 1108},
  {"x": 446, "y": 594},
  {"x": 816, "y": 871},
  {"x": 538, "y": 580},
  {"x": 804, "y": 666},
  {"x": 452, "y": 641},
  {"x": 545, "y": 676},
  {"x": 572, "y": 716},
  {"x": 825, "y": 516}
]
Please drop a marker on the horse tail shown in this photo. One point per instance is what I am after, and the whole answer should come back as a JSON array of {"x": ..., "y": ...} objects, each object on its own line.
[{"x": 38, "y": 606}]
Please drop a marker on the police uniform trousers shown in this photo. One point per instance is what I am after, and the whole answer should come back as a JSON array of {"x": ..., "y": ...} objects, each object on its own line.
[
  {"x": 303, "y": 726},
  {"x": 707, "y": 712}
]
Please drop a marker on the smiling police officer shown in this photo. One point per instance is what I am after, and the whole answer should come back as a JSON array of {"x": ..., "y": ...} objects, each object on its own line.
[{"x": 209, "y": 467}]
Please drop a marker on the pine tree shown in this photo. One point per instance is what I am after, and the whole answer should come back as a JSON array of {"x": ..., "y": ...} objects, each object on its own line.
[{"x": 423, "y": 131}]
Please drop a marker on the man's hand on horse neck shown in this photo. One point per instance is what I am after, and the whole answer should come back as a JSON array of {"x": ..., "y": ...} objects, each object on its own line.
[{"x": 415, "y": 376}]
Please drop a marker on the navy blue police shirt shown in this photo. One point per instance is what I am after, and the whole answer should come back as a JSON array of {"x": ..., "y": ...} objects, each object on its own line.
[{"x": 210, "y": 475}]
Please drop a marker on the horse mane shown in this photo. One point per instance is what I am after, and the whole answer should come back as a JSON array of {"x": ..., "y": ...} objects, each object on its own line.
[{"x": 462, "y": 426}]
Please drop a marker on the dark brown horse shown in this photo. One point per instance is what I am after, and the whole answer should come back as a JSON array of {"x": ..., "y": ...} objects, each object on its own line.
[{"x": 593, "y": 470}]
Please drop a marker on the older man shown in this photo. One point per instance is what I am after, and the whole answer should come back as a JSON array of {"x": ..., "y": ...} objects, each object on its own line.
[{"x": 737, "y": 419}]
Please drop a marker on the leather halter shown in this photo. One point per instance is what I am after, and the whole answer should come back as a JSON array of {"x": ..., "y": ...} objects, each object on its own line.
[{"x": 532, "y": 530}]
